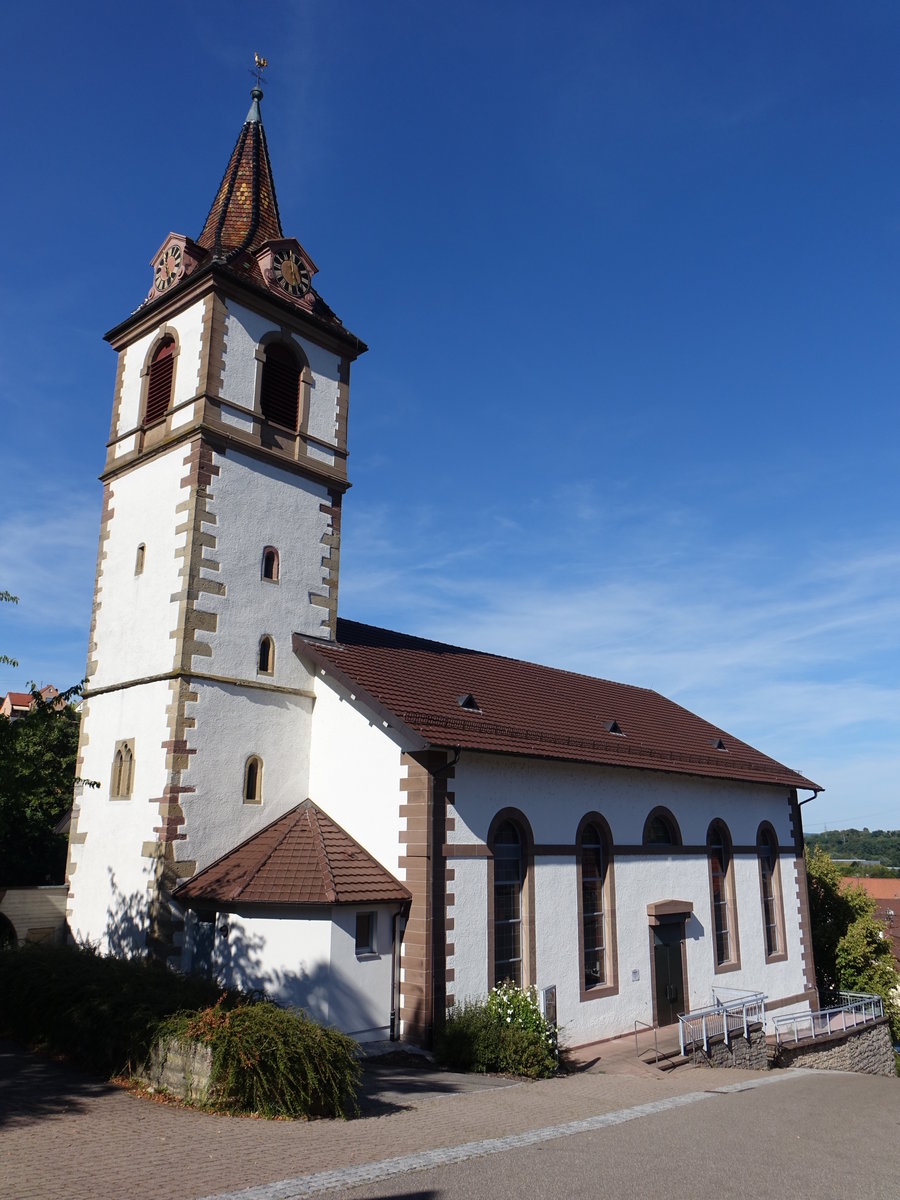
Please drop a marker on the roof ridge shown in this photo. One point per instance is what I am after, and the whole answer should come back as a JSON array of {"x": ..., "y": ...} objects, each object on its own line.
[
  {"x": 322, "y": 852},
  {"x": 294, "y": 814}
]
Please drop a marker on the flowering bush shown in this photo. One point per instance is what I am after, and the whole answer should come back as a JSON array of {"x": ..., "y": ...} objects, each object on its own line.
[{"x": 505, "y": 1032}]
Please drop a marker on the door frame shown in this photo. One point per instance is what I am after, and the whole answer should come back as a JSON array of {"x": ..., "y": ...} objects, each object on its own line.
[{"x": 670, "y": 913}]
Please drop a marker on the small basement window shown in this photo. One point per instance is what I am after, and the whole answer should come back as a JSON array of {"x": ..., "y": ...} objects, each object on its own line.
[{"x": 365, "y": 933}]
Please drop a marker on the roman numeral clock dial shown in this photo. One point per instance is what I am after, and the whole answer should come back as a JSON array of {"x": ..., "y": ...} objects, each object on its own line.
[{"x": 290, "y": 273}]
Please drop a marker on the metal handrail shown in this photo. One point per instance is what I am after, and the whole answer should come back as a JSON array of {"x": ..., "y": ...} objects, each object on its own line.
[
  {"x": 860, "y": 1008},
  {"x": 722, "y": 1017},
  {"x": 637, "y": 1052}
]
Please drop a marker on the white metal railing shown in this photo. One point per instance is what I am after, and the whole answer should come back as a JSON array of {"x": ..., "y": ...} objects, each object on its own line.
[
  {"x": 731, "y": 1013},
  {"x": 858, "y": 1008},
  {"x": 637, "y": 1052}
]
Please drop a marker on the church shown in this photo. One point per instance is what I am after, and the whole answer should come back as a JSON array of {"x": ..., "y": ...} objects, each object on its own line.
[{"x": 366, "y": 824}]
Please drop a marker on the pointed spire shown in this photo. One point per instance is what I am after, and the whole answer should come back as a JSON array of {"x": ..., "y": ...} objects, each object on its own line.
[{"x": 244, "y": 213}]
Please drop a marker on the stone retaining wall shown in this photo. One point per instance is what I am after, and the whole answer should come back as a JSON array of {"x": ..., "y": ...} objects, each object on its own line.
[
  {"x": 749, "y": 1053},
  {"x": 866, "y": 1049},
  {"x": 180, "y": 1068}
]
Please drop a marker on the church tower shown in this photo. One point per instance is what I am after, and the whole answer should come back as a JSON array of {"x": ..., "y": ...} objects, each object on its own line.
[{"x": 219, "y": 539}]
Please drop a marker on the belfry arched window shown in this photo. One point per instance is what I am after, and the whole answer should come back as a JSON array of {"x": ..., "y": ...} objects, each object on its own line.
[
  {"x": 159, "y": 381},
  {"x": 253, "y": 780},
  {"x": 279, "y": 396},
  {"x": 265, "y": 659},
  {"x": 722, "y": 898}
]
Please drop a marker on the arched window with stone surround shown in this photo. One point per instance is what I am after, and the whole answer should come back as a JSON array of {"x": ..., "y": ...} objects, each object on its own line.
[
  {"x": 596, "y": 907},
  {"x": 770, "y": 892},
  {"x": 722, "y": 897},
  {"x": 122, "y": 778},
  {"x": 510, "y": 897},
  {"x": 661, "y": 829},
  {"x": 253, "y": 780},
  {"x": 159, "y": 381}
]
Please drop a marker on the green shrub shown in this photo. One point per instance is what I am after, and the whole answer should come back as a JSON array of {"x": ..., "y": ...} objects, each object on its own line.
[
  {"x": 272, "y": 1061},
  {"x": 505, "y": 1032},
  {"x": 101, "y": 1012}
]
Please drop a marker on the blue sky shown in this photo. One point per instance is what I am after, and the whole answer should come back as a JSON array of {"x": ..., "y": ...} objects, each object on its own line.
[{"x": 629, "y": 276}]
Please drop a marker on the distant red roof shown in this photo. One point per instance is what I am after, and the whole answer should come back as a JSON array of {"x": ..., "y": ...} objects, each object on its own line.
[
  {"x": 878, "y": 889},
  {"x": 450, "y": 696},
  {"x": 303, "y": 857},
  {"x": 19, "y": 699}
]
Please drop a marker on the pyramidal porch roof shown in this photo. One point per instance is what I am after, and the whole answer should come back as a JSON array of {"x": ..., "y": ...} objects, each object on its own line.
[{"x": 301, "y": 858}]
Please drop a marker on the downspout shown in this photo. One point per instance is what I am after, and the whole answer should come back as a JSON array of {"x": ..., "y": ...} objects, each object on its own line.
[{"x": 399, "y": 924}]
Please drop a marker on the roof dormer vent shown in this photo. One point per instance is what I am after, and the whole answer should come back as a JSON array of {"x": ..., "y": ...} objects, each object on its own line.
[
  {"x": 613, "y": 727},
  {"x": 718, "y": 744},
  {"x": 468, "y": 703}
]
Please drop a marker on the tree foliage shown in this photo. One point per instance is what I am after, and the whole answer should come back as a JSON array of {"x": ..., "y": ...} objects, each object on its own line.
[
  {"x": 37, "y": 773},
  {"x": 863, "y": 845},
  {"x": 851, "y": 950}
]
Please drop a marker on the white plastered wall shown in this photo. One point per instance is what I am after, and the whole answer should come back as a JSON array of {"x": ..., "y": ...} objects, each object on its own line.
[
  {"x": 554, "y": 797},
  {"x": 231, "y": 724},
  {"x": 137, "y": 615},
  {"x": 257, "y": 504},
  {"x": 307, "y": 960},
  {"x": 355, "y": 773},
  {"x": 108, "y": 887}
]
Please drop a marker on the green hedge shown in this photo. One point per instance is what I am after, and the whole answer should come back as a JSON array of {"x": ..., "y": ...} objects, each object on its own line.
[
  {"x": 100, "y": 1012},
  {"x": 505, "y": 1032},
  {"x": 107, "y": 1014},
  {"x": 272, "y": 1061}
]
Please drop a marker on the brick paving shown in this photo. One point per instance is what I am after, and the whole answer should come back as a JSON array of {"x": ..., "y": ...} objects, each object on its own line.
[{"x": 63, "y": 1135}]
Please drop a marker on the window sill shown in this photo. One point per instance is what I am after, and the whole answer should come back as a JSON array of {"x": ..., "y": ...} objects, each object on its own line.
[
  {"x": 366, "y": 955},
  {"x": 601, "y": 992}
]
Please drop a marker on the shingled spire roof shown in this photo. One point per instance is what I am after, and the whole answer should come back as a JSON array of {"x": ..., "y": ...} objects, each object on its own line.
[
  {"x": 302, "y": 857},
  {"x": 244, "y": 213}
]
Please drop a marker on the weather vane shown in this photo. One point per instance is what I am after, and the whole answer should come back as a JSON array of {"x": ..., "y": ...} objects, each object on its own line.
[{"x": 261, "y": 64}]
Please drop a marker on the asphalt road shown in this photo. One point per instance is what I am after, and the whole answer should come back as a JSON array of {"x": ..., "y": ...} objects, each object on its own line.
[{"x": 826, "y": 1136}]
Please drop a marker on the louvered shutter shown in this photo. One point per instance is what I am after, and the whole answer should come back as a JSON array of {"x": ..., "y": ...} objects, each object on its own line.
[
  {"x": 159, "y": 383},
  {"x": 280, "y": 392}
]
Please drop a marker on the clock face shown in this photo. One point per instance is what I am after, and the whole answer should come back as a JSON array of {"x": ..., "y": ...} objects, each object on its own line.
[
  {"x": 290, "y": 273},
  {"x": 168, "y": 268}
]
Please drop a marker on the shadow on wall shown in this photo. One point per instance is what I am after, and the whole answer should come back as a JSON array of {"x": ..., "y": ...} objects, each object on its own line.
[
  {"x": 324, "y": 992},
  {"x": 127, "y": 921}
]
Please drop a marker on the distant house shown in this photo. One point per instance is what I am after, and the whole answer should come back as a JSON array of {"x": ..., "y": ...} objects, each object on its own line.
[
  {"x": 17, "y": 704},
  {"x": 886, "y": 894}
]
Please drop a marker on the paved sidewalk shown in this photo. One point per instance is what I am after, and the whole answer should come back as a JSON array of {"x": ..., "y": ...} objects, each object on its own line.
[{"x": 63, "y": 1135}]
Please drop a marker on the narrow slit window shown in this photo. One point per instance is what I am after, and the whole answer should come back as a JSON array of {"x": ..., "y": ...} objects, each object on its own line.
[
  {"x": 265, "y": 663},
  {"x": 253, "y": 780},
  {"x": 365, "y": 933},
  {"x": 270, "y": 564},
  {"x": 770, "y": 892},
  {"x": 139, "y": 559}
]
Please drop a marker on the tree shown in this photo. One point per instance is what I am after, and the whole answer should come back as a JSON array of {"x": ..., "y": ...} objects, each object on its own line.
[
  {"x": 851, "y": 951},
  {"x": 9, "y": 598},
  {"x": 37, "y": 773}
]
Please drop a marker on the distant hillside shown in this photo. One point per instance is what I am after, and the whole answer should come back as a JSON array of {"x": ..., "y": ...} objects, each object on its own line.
[{"x": 862, "y": 846}]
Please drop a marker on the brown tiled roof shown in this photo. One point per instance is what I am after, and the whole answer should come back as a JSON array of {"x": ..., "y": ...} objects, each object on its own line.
[
  {"x": 301, "y": 858},
  {"x": 19, "y": 699},
  {"x": 244, "y": 213},
  {"x": 878, "y": 889},
  {"x": 532, "y": 710}
]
